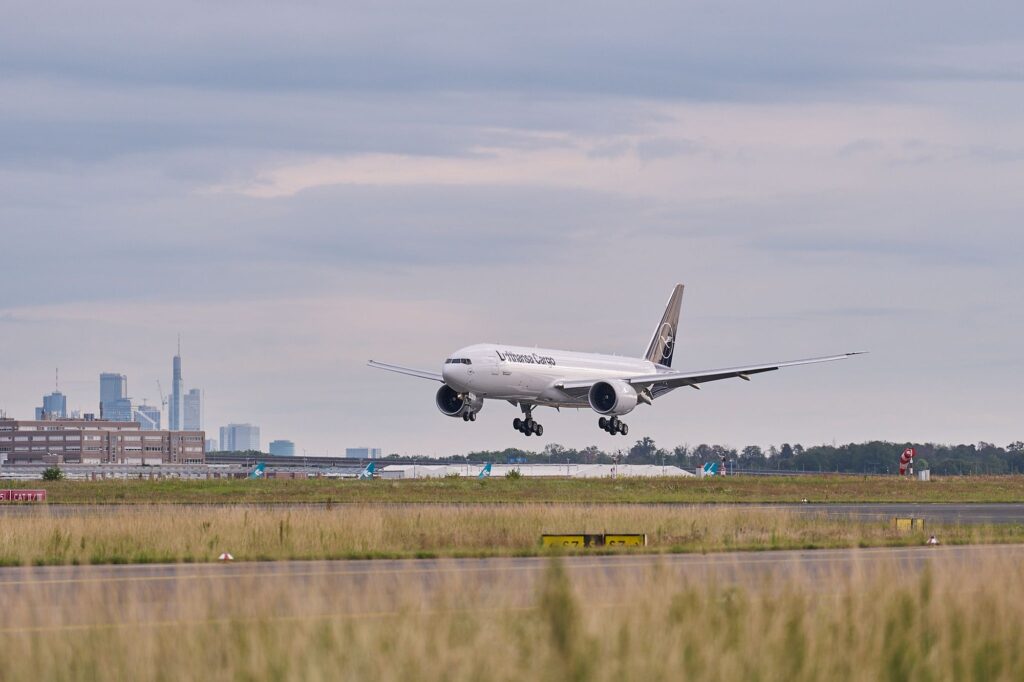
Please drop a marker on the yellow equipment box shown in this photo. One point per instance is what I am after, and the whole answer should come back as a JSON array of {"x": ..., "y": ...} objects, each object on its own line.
[
  {"x": 907, "y": 524},
  {"x": 595, "y": 540}
]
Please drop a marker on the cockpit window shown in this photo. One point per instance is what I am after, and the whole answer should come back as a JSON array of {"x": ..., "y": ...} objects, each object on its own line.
[{"x": 458, "y": 361}]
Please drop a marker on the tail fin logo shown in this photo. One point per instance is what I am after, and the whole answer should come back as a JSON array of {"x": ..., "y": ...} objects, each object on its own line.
[
  {"x": 663, "y": 342},
  {"x": 668, "y": 339}
]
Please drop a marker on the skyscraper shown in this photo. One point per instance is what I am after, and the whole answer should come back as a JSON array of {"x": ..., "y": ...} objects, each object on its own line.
[
  {"x": 119, "y": 410},
  {"x": 54, "y": 406},
  {"x": 363, "y": 453},
  {"x": 113, "y": 393},
  {"x": 148, "y": 417},
  {"x": 282, "y": 447},
  {"x": 193, "y": 410},
  {"x": 174, "y": 410},
  {"x": 239, "y": 437}
]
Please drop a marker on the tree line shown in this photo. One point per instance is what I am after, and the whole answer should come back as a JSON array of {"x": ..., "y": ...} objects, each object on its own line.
[{"x": 874, "y": 457}]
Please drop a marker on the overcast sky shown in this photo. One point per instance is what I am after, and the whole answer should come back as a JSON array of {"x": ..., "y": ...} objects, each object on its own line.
[{"x": 299, "y": 187}]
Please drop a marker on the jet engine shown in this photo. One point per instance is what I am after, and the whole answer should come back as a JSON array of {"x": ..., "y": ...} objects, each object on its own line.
[
  {"x": 455, "y": 404},
  {"x": 613, "y": 397}
]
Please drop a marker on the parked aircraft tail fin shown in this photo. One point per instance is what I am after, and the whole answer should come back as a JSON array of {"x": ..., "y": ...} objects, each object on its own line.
[{"x": 663, "y": 343}]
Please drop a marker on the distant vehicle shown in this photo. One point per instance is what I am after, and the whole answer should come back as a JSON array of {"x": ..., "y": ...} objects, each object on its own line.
[
  {"x": 367, "y": 473},
  {"x": 485, "y": 472},
  {"x": 259, "y": 471},
  {"x": 608, "y": 384}
]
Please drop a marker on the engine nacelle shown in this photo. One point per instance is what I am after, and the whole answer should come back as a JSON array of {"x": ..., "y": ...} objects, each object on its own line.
[
  {"x": 454, "y": 404},
  {"x": 613, "y": 397}
]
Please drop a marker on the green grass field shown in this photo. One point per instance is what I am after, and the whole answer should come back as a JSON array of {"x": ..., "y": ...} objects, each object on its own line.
[{"x": 499, "y": 490}]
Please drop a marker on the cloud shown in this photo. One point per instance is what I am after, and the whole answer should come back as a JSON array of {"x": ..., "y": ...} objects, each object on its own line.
[{"x": 295, "y": 187}]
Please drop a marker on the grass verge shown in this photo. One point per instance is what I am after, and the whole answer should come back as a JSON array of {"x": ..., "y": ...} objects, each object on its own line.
[
  {"x": 888, "y": 621},
  {"x": 469, "y": 490},
  {"x": 169, "y": 534}
]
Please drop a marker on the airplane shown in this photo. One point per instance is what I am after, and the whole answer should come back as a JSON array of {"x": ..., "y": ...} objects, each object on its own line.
[
  {"x": 259, "y": 471},
  {"x": 485, "y": 472},
  {"x": 611, "y": 385},
  {"x": 367, "y": 473}
]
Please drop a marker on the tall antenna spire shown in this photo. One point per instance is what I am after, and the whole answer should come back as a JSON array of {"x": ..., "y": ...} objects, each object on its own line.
[
  {"x": 56, "y": 382},
  {"x": 179, "y": 345}
]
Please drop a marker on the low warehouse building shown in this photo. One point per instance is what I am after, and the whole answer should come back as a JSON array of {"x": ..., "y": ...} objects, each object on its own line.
[{"x": 403, "y": 471}]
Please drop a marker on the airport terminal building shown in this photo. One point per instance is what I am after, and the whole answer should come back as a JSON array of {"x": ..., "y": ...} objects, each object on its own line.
[{"x": 96, "y": 441}]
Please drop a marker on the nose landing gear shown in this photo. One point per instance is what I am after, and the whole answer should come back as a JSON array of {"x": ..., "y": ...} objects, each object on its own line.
[
  {"x": 469, "y": 416},
  {"x": 613, "y": 426}
]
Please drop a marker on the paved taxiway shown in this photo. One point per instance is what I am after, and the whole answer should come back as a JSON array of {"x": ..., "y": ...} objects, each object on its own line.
[
  {"x": 934, "y": 512},
  {"x": 352, "y": 589},
  {"x": 731, "y": 565}
]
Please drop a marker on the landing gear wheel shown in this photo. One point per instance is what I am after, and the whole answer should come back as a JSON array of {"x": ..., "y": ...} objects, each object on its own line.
[
  {"x": 603, "y": 423},
  {"x": 517, "y": 424},
  {"x": 472, "y": 416},
  {"x": 623, "y": 429},
  {"x": 538, "y": 429},
  {"x": 465, "y": 416}
]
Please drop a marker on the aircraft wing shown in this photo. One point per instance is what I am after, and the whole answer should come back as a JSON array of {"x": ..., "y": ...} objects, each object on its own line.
[
  {"x": 422, "y": 374},
  {"x": 663, "y": 382}
]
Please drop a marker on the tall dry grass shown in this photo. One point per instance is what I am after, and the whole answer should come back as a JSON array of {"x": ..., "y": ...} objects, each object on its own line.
[
  {"x": 890, "y": 621},
  {"x": 184, "y": 534}
]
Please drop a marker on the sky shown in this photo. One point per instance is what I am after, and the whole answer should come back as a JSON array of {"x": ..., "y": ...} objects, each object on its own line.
[{"x": 299, "y": 187}]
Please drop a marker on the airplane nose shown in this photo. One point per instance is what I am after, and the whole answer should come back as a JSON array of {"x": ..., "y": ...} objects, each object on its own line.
[{"x": 455, "y": 376}]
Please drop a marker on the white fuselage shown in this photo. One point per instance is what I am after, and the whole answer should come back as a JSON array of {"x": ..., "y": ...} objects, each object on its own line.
[{"x": 519, "y": 373}]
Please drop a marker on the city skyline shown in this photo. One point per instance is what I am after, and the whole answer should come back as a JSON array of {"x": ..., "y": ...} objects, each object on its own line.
[
  {"x": 401, "y": 184},
  {"x": 113, "y": 389}
]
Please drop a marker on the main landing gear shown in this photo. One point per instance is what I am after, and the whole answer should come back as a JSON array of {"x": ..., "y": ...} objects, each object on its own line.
[
  {"x": 613, "y": 425},
  {"x": 527, "y": 426}
]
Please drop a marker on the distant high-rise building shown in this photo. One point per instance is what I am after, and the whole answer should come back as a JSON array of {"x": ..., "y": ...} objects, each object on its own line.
[
  {"x": 119, "y": 410},
  {"x": 285, "y": 448},
  {"x": 211, "y": 445},
  {"x": 193, "y": 410},
  {"x": 174, "y": 410},
  {"x": 239, "y": 437},
  {"x": 148, "y": 417},
  {"x": 362, "y": 453},
  {"x": 113, "y": 387},
  {"x": 54, "y": 406}
]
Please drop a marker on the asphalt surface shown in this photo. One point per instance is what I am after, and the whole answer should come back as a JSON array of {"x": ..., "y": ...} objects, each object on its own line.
[
  {"x": 936, "y": 513},
  {"x": 731, "y": 565},
  {"x": 64, "y": 598}
]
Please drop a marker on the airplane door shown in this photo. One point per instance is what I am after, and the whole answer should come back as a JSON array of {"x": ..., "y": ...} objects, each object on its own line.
[{"x": 495, "y": 366}]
